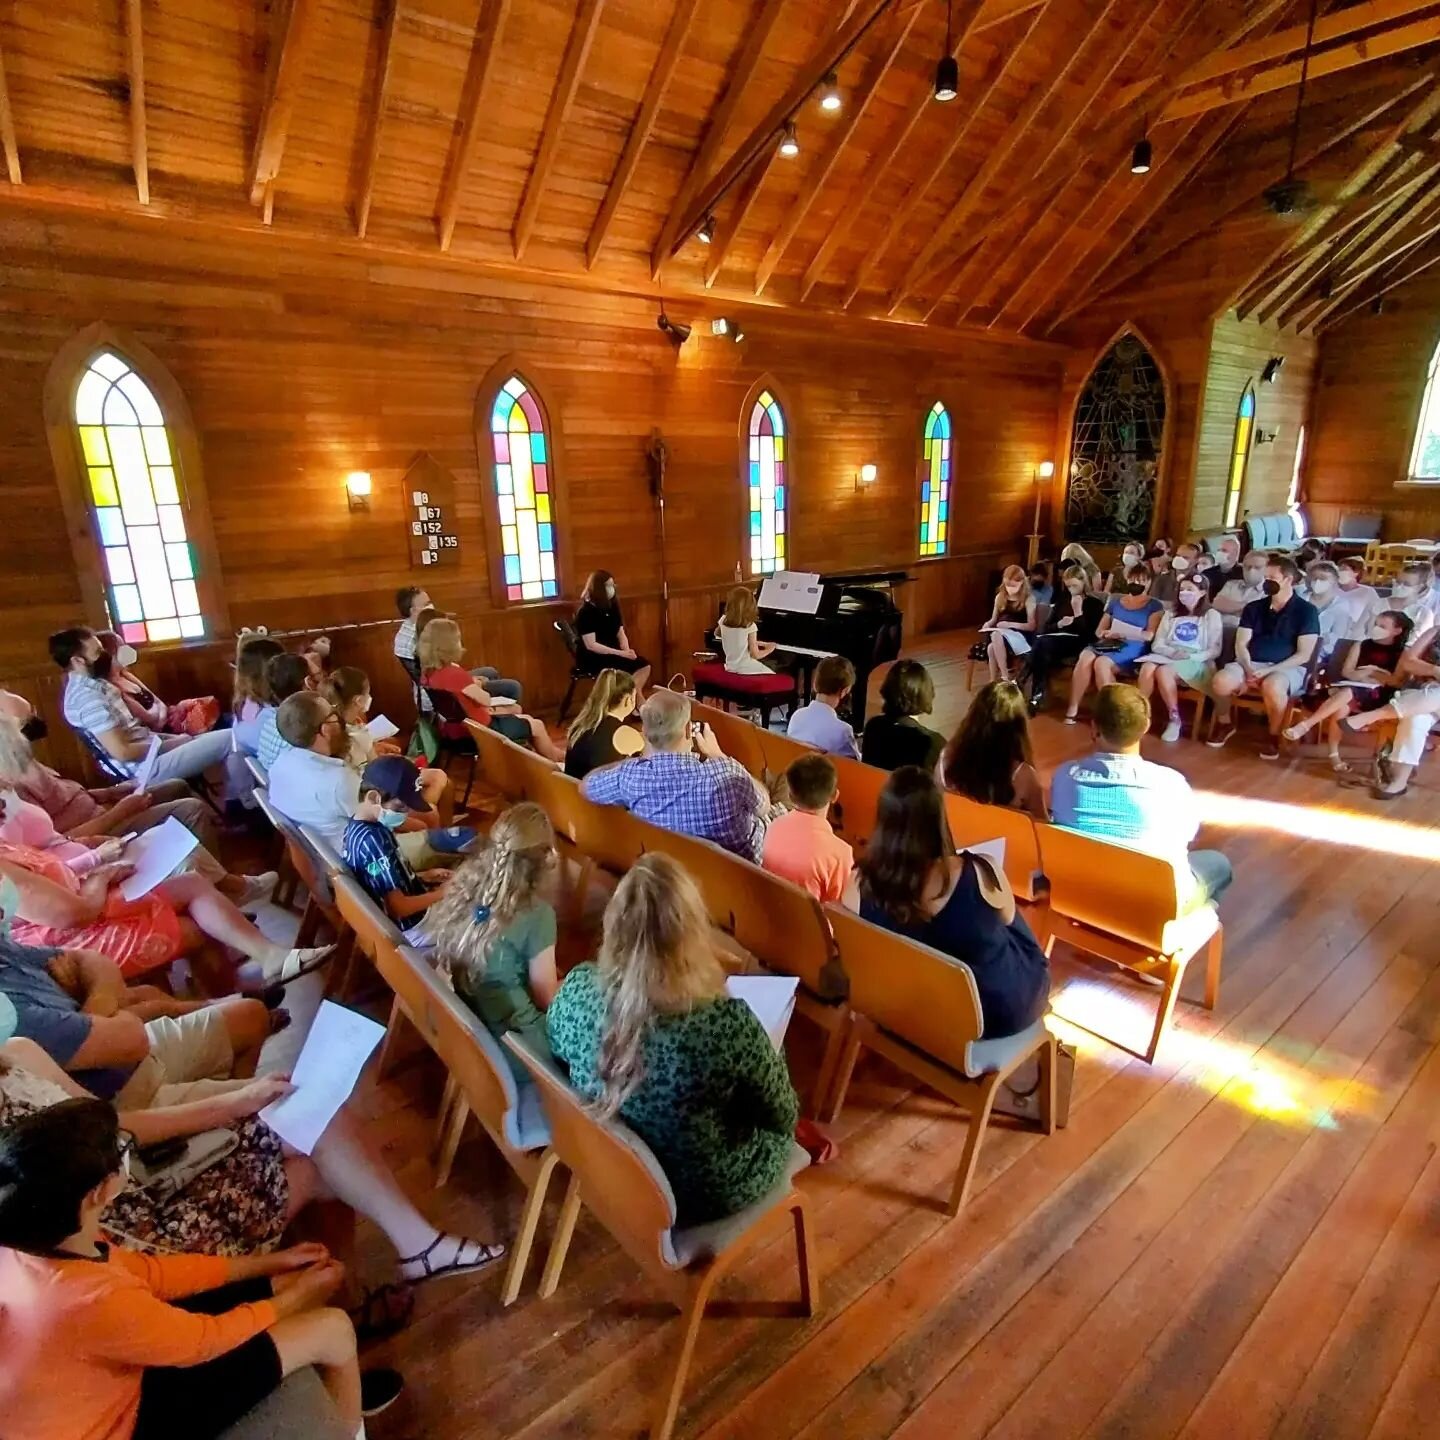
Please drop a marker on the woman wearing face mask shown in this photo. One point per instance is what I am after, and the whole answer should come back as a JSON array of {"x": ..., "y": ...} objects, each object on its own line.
[
  {"x": 1124, "y": 635},
  {"x": 1163, "y": 578},
  {"x": 1070, "y": 628},
  {"x": 1411, "y": 594},
  {"x": 1362, "y": 602},
  {"x": 1322, "y": 590},
  {"x": 1013, "y": 614},
  {"x": 1186, "y": 647},
  {"x": 604, "y": 645},
  {"x": 187, "y": 717},
  {"x": 1132, "y": 555},
  {"x": 1368, "y": 680}
]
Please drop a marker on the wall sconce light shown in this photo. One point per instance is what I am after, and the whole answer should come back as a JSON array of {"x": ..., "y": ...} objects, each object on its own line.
[
  {"x": 1045, "y": 469},
  {"x": 866, "y": 474},
  {"x": 357, "y": 489}
]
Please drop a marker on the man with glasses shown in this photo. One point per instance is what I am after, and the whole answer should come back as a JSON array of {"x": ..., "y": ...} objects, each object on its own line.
[{"x": 310, "y": 783}]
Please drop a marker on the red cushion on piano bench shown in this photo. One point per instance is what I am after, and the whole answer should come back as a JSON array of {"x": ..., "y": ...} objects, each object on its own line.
[{"x": 712, "y": 675}]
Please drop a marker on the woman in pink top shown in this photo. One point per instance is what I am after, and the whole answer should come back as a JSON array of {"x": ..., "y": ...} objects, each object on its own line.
[{"x": 800, "y": 846}]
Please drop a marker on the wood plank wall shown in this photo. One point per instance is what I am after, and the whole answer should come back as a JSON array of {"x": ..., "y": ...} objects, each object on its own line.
[{"x": 303, "y": 362}]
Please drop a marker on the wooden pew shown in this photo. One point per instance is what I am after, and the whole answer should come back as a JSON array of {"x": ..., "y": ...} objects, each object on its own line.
[
  {"x": 738, "y": 738},
  {"x": 972, "y": 823}
]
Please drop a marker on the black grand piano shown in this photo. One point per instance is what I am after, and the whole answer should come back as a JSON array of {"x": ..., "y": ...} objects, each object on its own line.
[{"x": 857, "y": 617}]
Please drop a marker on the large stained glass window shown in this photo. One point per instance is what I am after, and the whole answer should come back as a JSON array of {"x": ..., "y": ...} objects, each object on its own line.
[
  {"x": 767, "y": 486},
  {"x": 1239, "y": 457},
  {"x": 935, "y": 483},
  {"x": 1425, "y": 451},
  {"x": 524, "y": 493},
  {"x": 138, "y": 509}
]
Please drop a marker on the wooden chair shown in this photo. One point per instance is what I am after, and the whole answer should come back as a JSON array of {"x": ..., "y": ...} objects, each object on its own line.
[
  {"x": 1126, "y": 907},
  {"x": 738, "y": 738},
  {"x": 578, "y": 669},
  {"x": 616, "y": 1175},
  {"x": 921, "y": 1011},
  {"x": 858, "y": 800},
  {"x": 972, "y": 823},
  {"x": 1255, "y": 704}
]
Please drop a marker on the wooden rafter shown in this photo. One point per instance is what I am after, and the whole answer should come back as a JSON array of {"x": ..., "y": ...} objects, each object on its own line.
[
  {"x": 829, "y": 57},
  {"x": 743, "y": 72},
  {"x": 284, "y": 71},
  {"x": 1387, "y": 281},
  {"x": 135, "y": 75},
  {"x": 375, "y": 120},
  {"x": 493, "y": 14},
  {"x": 582, "y": 35},
  {"x": 873, "y": 76},
  {"x": 730, "y": 227},
  {"x": 1076, "y": 209},
  {"x": 643, "y": 127},
  {"x": 997, "y": 12}
]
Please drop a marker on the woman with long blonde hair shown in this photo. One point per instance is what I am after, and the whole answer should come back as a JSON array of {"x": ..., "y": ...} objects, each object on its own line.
[
  {"x": 649, "y": 1034},
  {"x": 1012, "y": 622},
  {"x": 494, "y": 927},
  {"x": 599, "y": 735},
  {"x": 745, "y": 652}
]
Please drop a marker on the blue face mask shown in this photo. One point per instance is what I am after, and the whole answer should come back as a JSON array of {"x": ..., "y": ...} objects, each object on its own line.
[{"x": 392, "y": 819}]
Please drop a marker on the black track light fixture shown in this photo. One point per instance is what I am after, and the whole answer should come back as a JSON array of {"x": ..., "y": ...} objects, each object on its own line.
[
  {"x": 706, "y": 233},
  {"x": 947, "y": 69},
  {"x": 1272, "y": 369},
  {"x": 1142, "y": 156},
  {"x": 832, "y": 98},
  {"x": 678, "y": 332}
]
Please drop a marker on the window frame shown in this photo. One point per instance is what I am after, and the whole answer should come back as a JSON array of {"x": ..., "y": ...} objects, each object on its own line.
[
  {"x": 70, "y": 364},
  {"x": 504, "y": 369},
  {"x": 1417, "y": 434},
  {"x": 922, "y": 474},
  {"x": 1237, "y": 492},
  {"x": 766, "y": 384}
]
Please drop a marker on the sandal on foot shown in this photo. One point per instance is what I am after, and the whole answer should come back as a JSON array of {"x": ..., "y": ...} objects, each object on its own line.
[
  {"x": 1339, "y": 766},
  {"x": 482, "y": 1257},
  {"x": 1297, "y": 732},
  {"x": 382, "y": 1311},
  {"x": 301, "y": 962},
  {"x": 1072, "y": 719}
]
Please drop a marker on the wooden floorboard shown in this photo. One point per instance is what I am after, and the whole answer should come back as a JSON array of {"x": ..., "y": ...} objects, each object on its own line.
[{"x": 1242, "y": 1239}]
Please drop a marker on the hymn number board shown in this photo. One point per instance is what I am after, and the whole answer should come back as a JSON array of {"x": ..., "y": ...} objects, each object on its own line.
[{"x": 430, "y": 515}]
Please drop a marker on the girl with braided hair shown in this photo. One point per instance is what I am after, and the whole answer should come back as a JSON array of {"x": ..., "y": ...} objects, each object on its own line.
[{"x": 494, "y": 928}]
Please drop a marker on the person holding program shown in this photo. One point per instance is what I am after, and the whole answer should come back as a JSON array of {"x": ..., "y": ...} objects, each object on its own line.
[
  {"x": 1012, "y": 616},
  {"x": 1131, "y": 620},
  {"x": 1187, "y": 645}
]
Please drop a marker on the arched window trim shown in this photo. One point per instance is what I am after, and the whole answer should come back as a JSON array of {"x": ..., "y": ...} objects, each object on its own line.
[
  {"x": 1237, "y": 474},
  {"x": 538, "y": 387},
  {"x": 62, "y": 381},
  {"x": 925, "y": 475},
  {"x": 766, "y": 384},
  {"x": 1430, "y": 397}
]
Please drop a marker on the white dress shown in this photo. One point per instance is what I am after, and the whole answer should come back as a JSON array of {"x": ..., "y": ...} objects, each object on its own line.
[{"x": 736, "y": 644}]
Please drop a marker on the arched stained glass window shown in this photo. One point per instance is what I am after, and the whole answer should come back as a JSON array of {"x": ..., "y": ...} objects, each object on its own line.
[
  {"x": 524, "y": 493},
  {"x": 1240, "y": 457},
  {"x": 137, "y": 505},
  {"x": 767, "y": 485},
  {"x": 935, "y": 483}
]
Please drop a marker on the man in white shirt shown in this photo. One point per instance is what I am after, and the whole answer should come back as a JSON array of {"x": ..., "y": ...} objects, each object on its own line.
[
  {"x": 1362, "y": 601},
  {"x": 1411, "y": 594},
  {"x": 818, "y": 723},
  {"x": 310, "y": 783},
  {"x": 1226, "y": 567},
  {"x": 1235, "y": 594}
]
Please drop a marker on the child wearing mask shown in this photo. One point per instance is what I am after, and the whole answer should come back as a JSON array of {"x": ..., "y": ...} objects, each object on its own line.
[
  {"x": 1186, "y": 647},
  {"x": 1370, "y": 677},
  {"x": 1013, "y": 615},
  {"x": 1124, "y": 635},
  {"x": 1411, "y": 594}
]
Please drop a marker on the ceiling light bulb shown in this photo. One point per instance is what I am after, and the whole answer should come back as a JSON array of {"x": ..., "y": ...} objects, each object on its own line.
[
  {"x": 947, "y": 78},
  {"x": 789, "y": 143},
  {"x": 706, "y": 233},
  {"x": 831, "y": 98},
  {"x": 1140, "y": 158}
]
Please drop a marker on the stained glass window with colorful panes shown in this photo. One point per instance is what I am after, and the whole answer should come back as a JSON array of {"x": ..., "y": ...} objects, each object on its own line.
[
  {"x": 767, "y": 485},
  {"x": 935, "y": 483},
  {"x": 1239, "y": 457},
  {"x": 137, "y": 506},
  {"x": 524, "y": 493}
]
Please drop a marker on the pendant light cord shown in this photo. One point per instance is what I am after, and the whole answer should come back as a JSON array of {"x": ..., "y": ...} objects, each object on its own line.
[
  {"x": 949, "y": 19},
  {"x": 1300, "y": 95}
]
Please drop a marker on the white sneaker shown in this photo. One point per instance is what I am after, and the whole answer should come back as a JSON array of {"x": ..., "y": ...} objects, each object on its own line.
[
  {"x": 1171, "y": 733},
  {"x": 258, "y": 889}
]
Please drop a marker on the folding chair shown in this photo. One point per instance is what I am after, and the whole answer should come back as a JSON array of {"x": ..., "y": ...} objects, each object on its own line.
[
  {"x": 578, "y": 669},
  {"x": 452, "y": 745}
]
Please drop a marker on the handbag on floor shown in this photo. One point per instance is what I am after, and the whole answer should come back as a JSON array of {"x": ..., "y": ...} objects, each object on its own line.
[
  {"x": 1020, "y": 1094},
  {"x": 166, "y": 1169}
]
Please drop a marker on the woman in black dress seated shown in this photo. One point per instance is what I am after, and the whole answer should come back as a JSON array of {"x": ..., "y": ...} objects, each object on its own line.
[
  {"x": 604, "y": 644},
  {"x": 895, "y": 737},
  {"x": 600, "y": 735},
  {"x": 1073, "y": 620},
  {"x": 911, "y": 881}
]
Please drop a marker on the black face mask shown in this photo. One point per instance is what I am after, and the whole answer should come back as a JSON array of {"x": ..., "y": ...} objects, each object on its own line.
[
  {"x": 102, "y": 665},
  {"x": 1272, "y": 587},
  {"x": 35, "y": 728},
  {"x": 1134, "y": 589}
]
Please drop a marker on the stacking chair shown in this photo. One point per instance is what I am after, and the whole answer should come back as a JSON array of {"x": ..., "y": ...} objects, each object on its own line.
[
  {"x": 108, "y": 766},
  {"x": 921, "y": 1011},
  {"x": 578, "y": 670},
  {"x": 738, "y": 738},
  {"x": 615, "y": 1173},
  {"x": 858, "y": 800},
  {"x": 449, "y": 712},
  {"x": 1255, "y": 705},
  {"x": 1125, "y": 906},
  {"x": 972, "y": 823}
]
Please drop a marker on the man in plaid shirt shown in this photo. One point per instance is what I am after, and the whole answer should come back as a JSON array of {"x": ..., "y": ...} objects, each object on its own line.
[{"x": 707, "y": 795}]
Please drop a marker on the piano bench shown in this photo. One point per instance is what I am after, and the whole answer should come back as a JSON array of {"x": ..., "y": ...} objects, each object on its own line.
[{"x": 763, "y": 692}]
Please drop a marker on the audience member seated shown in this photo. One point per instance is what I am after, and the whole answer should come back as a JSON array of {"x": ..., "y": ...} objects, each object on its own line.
[
  {"x": 348, "y": 689},
  {"x": 1415, "y": 707},
  {"x": 1132, "y": 555},
  {"x": 1361, "y": 600},
  {"x": 745, "y": 653},
  {"x": 1116, "y": 795},
  {"x": 911, "y": 881},
  {"x": 1273, "y": 648},
  {"x": 144, "y": 1345},
  {"x": 1012, "y": 616},
  {"x": 92, "y": 704},
  {"x": 1130, "y": 623},
  {"x": 648, "y": 1033},
  {"x": 1042, "y": 583},
  {"x": 1434, "y": 597},
  {"x": 494, "y": 929},
  {"x": 1162, "y": 576},
  {"x": 895, "y": 737},
  {"x": 1321, "y": 587},
  {"x": 286, "y": 675},
  {"x": 800, "y": 846},
  {"x": 1186, "y": 647},
  {"x": 818, "y": 723},
  {"x": 687, "y": 785},
  {"x": 1226, "y": 568},
  {"x": 83, "y": 909},
  {"x": 989, "y": 758},
  {"x": 604, "y": 644},
  {"x": 252, "y": 698},
  {"x": 1368, "y": 681},
  {"x": 411, "y": 601},
  {"x": 1239, "y": 591},
  {"x": 1074, "y": 554},
  {"x": 185, "y": 717},
  {"x": 440, "y": 652},
  {"x": 1411, "y": 594},
  {"x": 599, "y": 735},
  {"x": 1073, "y": 620}
]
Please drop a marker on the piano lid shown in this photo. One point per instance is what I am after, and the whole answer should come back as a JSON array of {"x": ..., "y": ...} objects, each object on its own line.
[{"x": 873, "y": 578}]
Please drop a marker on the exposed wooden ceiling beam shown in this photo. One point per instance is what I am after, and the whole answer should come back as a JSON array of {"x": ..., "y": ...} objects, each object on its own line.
[
  {"x": 375, "y": 120},
  {"x": 1421, "y": 144},
  {"x": 643, "y": 127},
  {"x": 829, "y": 57},
  {"x": 741, "y": 74},
  {"x": 1081, "y": 220},
  {"x": 729, "y": 227},
  {"x": 997, "y": 12},
  {"x": 1388, "y": 281},
  {"x": 872, "y": 78},
  {"x": 582, "y": 35},
  {"x": 284, "y": 70},
  {"x": 493, "y": 14},
  {"x": 135, "y": 74},
  {"x": 1282, "y": 77}
]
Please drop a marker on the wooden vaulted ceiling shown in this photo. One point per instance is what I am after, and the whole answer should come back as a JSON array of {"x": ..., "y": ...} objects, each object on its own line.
[{"x": 590, "y": 138}]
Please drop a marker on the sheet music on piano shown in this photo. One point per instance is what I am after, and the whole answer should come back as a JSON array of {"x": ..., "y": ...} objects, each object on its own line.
[{"x": 798, "y": 591}]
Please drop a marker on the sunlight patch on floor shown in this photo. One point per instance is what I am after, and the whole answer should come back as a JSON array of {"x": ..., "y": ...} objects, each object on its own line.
[{"x": 1331, "y": 823}]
